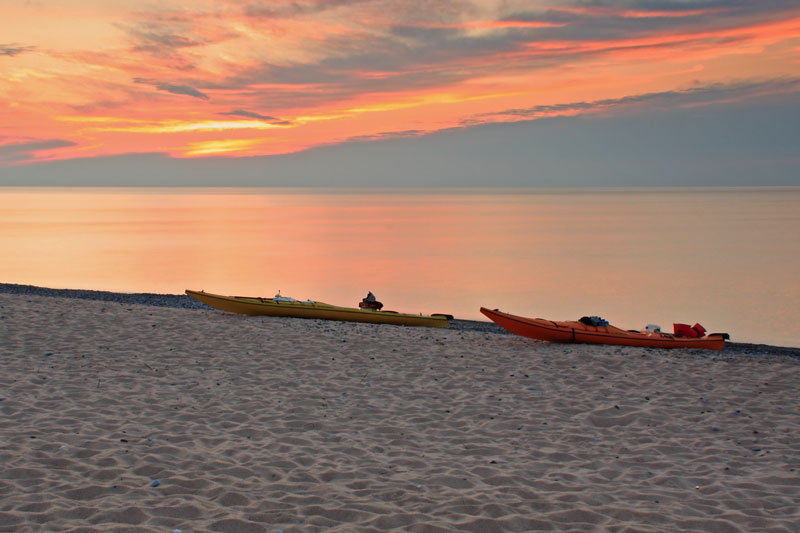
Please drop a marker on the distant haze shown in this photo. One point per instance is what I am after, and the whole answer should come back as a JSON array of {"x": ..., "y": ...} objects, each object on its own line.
[{"x": 755, "y": 143}]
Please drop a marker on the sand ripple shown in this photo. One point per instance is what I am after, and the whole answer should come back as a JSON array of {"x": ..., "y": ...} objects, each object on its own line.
[{"x": 127, "y": 418}]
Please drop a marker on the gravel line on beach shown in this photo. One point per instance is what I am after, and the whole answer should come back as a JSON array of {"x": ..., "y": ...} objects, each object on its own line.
[
  {"x": 185, "y": 302},
  {"x": 141, "y": 298},
  {"x": 182, "y": 301}
]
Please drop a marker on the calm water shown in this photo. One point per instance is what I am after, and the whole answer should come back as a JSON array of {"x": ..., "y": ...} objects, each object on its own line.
[{"x": 727, "y": 258}]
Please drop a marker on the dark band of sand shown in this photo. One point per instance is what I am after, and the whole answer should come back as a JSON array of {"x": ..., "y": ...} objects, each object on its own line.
[
  {"x": 184, "y": 302},
  {"x": 125, "y": 417}
]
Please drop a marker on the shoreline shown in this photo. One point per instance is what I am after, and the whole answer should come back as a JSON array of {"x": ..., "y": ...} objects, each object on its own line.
[{"x": 184, "y": 302}]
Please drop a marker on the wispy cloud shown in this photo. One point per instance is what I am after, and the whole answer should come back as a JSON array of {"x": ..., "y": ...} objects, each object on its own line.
[
  {"x": 690, "y": 97},
  {"x": 173, "y": 88},
  {"x": 14, "y": 49},
  {"x": 295, "y": 8},
  {"x": 174, "y": 40},
  {"x": 384, "y": 135},
  {"x": 16, "y": 151},
  {"x": 335, "y": 70},
  {"x": 445, "y": 47},
  {"x": 109, "y": 124},
  {"x": 158, "y": 38},
  {"x": 221, "y": 147},
  {"x": 248, "y": 114}
]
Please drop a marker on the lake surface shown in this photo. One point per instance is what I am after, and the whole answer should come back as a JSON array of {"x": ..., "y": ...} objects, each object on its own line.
[{"x": 725, "y": 257}]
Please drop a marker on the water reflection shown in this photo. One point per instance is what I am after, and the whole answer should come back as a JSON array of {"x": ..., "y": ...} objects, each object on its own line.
[{"x": 724, "y": 257}]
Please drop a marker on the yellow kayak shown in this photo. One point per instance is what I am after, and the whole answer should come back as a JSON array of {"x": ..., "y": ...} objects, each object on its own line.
[{"x": 281, "y": 306}]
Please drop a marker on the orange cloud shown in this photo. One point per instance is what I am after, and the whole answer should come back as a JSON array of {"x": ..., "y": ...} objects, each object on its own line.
[
  {"x": 237, "y": 78},
  {"x": 623, "y": 12},
  {"x": 226, "y": 146}
]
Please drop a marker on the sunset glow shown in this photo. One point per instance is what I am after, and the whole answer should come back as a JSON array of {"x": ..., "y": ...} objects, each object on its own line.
[{"x": 233, "y": 78}]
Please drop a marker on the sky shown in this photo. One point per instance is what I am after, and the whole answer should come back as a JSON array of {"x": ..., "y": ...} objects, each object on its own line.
[{"x": 396, "y": 93}]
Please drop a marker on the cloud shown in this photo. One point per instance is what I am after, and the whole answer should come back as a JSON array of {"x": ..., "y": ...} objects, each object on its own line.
[
  {"x": 24, "y": 151},
  {"x": 160, "y": 39},
  {"x": 173, "y": 88},
  {"x": 14, "y": 49},
  {"x": 378, "y": 69},
  {"x": 258, "y": 116},
  {"x": 587, "y": 29},
  {"x": 751, "y": 143},
  {"x": 388, "y": 46},
  {"x": 387, "y": 135},
  {"x": 694, "y": 96},
  {"x": 295, "y": 9},
  {"x": 618, "y": 20},
  {"x": 447, "y": 46},
  {"x": 248, "y": 114},
  {"x": 169, "y": 37}
]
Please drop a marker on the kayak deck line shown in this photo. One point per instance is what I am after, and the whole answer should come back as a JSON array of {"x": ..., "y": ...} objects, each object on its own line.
[
  {"x": 581, "y": 333},
  {"x": 281, "y": 306}
]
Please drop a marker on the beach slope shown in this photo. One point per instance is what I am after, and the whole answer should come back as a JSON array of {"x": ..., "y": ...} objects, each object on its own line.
[{"x": 126, "y": 417}]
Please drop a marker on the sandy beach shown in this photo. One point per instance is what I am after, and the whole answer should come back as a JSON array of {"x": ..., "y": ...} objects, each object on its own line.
[{"x": 125, "y": 417}]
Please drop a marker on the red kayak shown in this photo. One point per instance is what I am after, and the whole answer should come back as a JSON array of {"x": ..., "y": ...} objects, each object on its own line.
[{"x": 580, "y": 332}]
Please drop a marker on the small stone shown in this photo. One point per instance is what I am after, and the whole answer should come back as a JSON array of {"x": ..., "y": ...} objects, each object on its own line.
[{"x": 155, "y": 483}]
